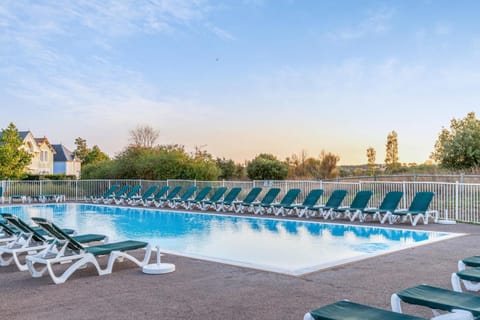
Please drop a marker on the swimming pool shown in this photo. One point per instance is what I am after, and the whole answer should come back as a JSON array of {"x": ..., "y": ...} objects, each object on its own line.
[{"x": 286, "y": 246}]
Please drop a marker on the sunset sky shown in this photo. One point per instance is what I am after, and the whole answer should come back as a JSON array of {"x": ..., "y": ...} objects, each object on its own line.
[{"x": 239, "y": 78}]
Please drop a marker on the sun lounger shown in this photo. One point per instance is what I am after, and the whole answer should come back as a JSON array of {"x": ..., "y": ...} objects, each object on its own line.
[
  {"x": 21, "y": 197},
  {"x": 287, "y": 200},
  {"x": 227, "y": 203},
  {"x": 124, "y": 199},
  {"x": 156, "y": 196},
  {"x": 71, "y": 251},
  {"x": 262, "y": 205},
  {"x": 99, "y": 198},
  {"x": 201, "y": 195},
  {"x": 389, "y": 204},
  {"x": 241, "y": 206},
  {"x": 211, "y": 202},
  {"x": 120, "y": 193},
  {"x": 342, "y": 310},
  {"x": 469, "y": 277},
  {"x": 300, "y": 209},
  {"x": 175, "y": 202},
  {"x": 418, "y": 210},
  {"x": 459, "y": 305},
  {"x": 163, "y": 201},
  {"x": 135, "y": 200},
  {"x": 359, "y": 203},
  {"x": 30, "y": 241},
  {"x": 333, "y": 202}
]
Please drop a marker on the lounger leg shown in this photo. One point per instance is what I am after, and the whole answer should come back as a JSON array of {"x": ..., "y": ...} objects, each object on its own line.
[
  {"x": 469, "y": 285},
  {"x": 461, "y": 265},
  {"x": 5, "y": 261},
  {"x": 119, "y": 255},
  {"x": 395, "y": 302},
  {"x": 308, "y": 316}
]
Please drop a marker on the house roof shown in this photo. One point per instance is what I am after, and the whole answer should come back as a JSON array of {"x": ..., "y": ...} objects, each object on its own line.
[
  {"x": 23, "y": 134},
  {"x": 62, "y": 153}
]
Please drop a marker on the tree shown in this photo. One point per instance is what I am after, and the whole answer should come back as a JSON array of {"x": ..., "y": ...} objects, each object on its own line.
[
  {"x": 371, "y": 156},
  {"x": 144, "y": 136},
  {"x": 267, "y": 167},
  {"x": 459, "y": 147},
  {"x": 328, "y": 165},
  {"x": 81, "y": 151},
  {"x": 13, "y": 158},
  {"x": 227, "y": 167},
  {"x": 391, "y": 154},
  {"x": 95, "y": 155}
]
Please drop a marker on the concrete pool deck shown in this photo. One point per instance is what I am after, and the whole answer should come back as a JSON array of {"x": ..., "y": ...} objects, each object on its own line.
[{"x": 208, "y": 290}]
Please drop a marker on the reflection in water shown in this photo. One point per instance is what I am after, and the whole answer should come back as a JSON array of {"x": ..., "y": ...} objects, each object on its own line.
[{"x": 280, "y": 245}]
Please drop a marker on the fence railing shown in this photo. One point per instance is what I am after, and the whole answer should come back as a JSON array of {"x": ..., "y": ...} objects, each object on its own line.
[{"x": 454, "y": 200}]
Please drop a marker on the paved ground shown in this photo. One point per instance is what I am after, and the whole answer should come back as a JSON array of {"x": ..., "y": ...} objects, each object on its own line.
[{"x": 206, "y": 290}]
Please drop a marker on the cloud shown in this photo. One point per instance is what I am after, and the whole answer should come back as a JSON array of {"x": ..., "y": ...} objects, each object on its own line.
[{"x": 375, "y": 23}]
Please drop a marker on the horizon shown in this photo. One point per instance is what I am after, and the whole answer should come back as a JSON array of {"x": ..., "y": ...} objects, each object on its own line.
[{"x": 240, "y": 78}]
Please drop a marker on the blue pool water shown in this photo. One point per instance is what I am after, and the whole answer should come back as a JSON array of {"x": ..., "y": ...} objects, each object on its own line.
[{"x": 286, "y": 246}]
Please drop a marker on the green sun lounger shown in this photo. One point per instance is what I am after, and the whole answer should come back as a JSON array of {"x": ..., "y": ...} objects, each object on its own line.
[
  {"x": 460, "y": 305},
  {"x": 99, "y": 198},
  {"x": 175, "y": 202},
  {"x": 287, "y": 200},
  {"x": 310, "y": 201},
  {"x": 346, "y": 310},
  {"x": 75, "y": 253},
  {"x": 389, "y": 204},
  {"x": 418, "y": 210},
  {"x": 333, "y": 202},
  {"x": 116, "y": 195},
  {"x": 163, "y": 201},
  {"x": 227, "y": 203},
  {"x": 469, "y": 277},
  {"x": 156, "y": 196},
  {"x": 210, "y": 203},
  {"x": 201, "y": 195},
  {"x": 241, "y": 206},
  {"x": 29, "y": 240},
  {"x": 359, "y": 203},
  {"x": 136, "y": 200},
  {"x": 124, "y": 199},
  {"x": 268, "y": 198}
]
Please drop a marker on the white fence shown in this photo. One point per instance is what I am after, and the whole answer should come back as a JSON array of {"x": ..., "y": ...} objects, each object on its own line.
[{"x": 460, "y": 201}]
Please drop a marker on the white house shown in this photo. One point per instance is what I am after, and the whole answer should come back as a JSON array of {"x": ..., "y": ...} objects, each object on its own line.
[{"x": 65, "y": 162}]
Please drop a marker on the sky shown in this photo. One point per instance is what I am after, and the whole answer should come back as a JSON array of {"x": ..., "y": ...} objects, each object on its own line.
[{"x": 239, "y": 78}]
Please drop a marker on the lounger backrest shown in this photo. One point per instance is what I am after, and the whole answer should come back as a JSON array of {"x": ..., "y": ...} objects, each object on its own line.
[
  {"x": 421, "y": 202},
  {"x": 160, "y": 193},
  {"x": 391, "y": 201},
  {"x": 6, "y": 229},
  {"x": 23, "y": 227},
  {"x": 361, "y": 199},
  {"x": 232, "y": 195},
  {"x": 133, "y": 191},
  {"x": 173, "y": 193},
  {"x": 218, "y": 194},
  {"x": 202, "y": 194},
  {"x": 58, "y": 234},
  {"x": 122, "y": 191},
  {"x": 252, "y": 195},
  {"x": 336, "y": 198},
  {"x": 149, "y": 192},
  {"x": 289, "y": 197},
  {"x": 270, "y": 195},
  {"x": 312, "y": 197},
  {"x": 111, "y": 190},
  {"x": 188, "y": 193}
]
